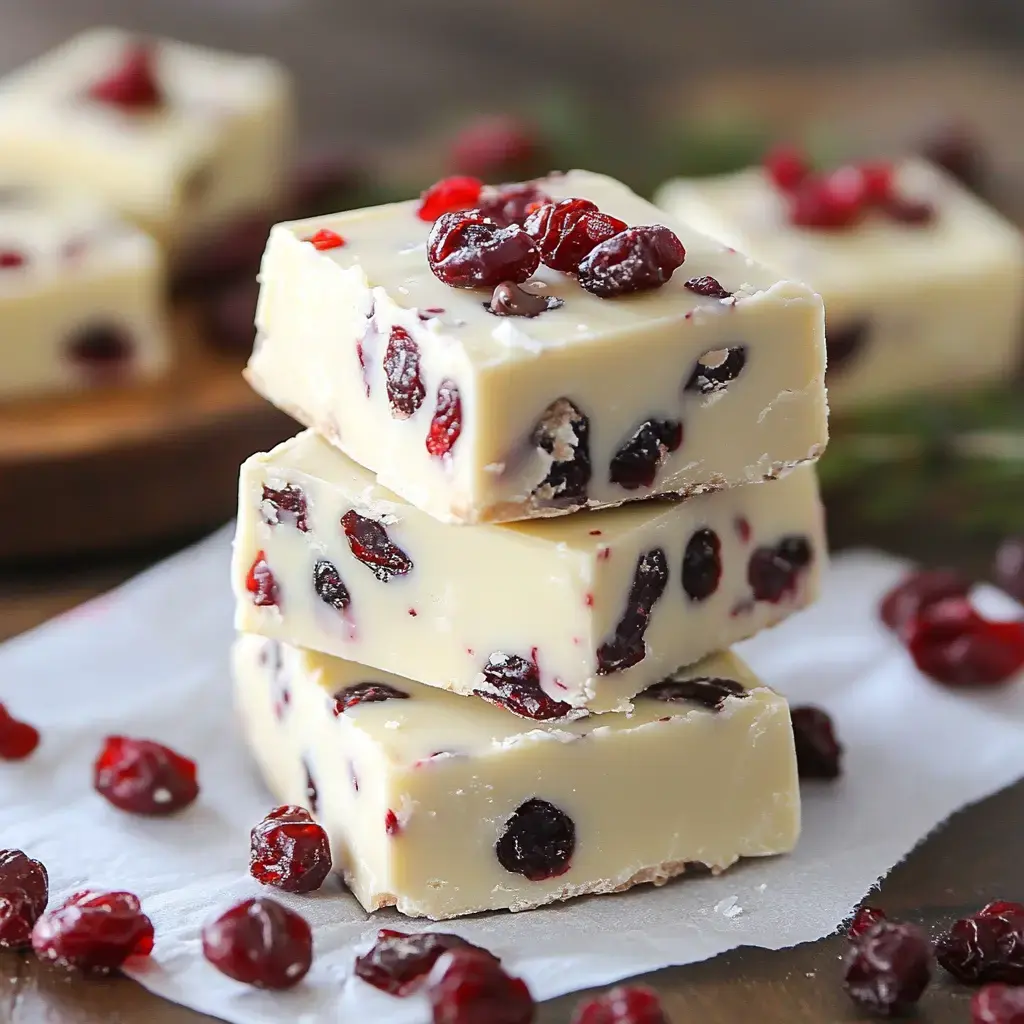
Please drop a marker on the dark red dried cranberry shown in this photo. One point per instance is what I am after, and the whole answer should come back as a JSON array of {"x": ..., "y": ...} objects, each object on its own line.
[
  {"x": 100, "y": 348},
  {"x": 496, "y": 146},
  {"x": 286, "y": 505},
  {"x": 998, "y": 1004},
  {"x": 818, "y": 752},
  {"x": 449, "y": 195},
  {"x": 1009, "y": 566},
  {"x": 466, "y": 986},
  {"x": 11, "y": 258},
  {"x": 402, "y": 374},
  {"x": 133, "y": 84},
  {"x": 627, "y": 646},
  {"x": 1001, "y": 908},
  {"x": 365, "y": 693},
  {"x": 842, "y": 344},
  {"x": 24, "y": 890},
  {"x": 710, "y": 376},
  {"x": 624, "y": 1004},
  {"x": 537, "y": 842},
  {"x": 466, "y": 250},
  {"x": 326, "y": 239},
  {"x": 830, "y": 203},
  {"x": 260, "y": 943},
  {"x": 635, "y": 260},
  {"x": 918, "y": 591},
  {"x": 511, "y": 204},
  {"x": 890, "y": 968},
  {"x": 17, "y": 739},
  {"x": 372, "y": 546},
  {"x": 637, "y": 462},
  {"x": 398, "y": 963},
  {"x": 289, "y": 850},
  {"x": 773, "y": 572},
  {"x": 786, "y": 166},
  {"x": 863, "y": 921},
  {"x": 511, "y": 300},
  {"x": 446, "y": 423},
  {"x": 93, "y": 932},
  {"x": 515, "y": 686},
  {"x": 984, "y": 948},
  {"x": 330, "y": 587},
  {"x": 709, "y": 692},
  {"x": 702, "y": 565},
  {"x": 144, "y": 777},
  {"x": 260, "y": 582},
  {"x": 564, "y": 433},
  {"x": 914, "y": 212},
  {"x": 567, "y": 231},
  {"x": 956, "y": 149},
  {"x": 709, "y": 287}
]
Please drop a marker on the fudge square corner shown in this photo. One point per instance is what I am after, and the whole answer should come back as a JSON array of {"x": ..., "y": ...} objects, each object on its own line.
[{"x": 484, "y": 377}]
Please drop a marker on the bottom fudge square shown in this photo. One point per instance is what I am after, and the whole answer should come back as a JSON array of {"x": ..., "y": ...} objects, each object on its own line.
[{"x": 441, "y": 805}]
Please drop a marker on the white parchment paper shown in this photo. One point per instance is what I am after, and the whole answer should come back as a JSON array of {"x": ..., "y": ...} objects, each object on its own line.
[{"x": 150, "y": 660}]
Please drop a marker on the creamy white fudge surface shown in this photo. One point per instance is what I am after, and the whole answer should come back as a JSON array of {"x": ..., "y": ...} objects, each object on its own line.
[
  {"x": 81, "y": 295},
  {"x": 924, "y": 307},
  {"x": 550, "y": 615},
  {"x": 442, "y": 805},
  {"x": 545, "y": 404},
  {"x": 216, "y": 144}
]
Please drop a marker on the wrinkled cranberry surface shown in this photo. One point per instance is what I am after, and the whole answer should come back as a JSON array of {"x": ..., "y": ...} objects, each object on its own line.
[
  {"x": 132, "y": 85},
  {"x": 774, "y": 571},
  {"x": 710, "y": 692},
  {"x": 818, "y": 752},
  {"x": 889, "y": 969},
  {"x": 984, "y": 947},
  {"x": 398, "y": 963},
  {"x": 466, "y": 250},
  {"x": 17, "y": 739},
  {"x": 371, "y": 545},
  {"x": 624, "y": 1004},
  {"x": 289, "y": 850},
  {"x": 567, "y": 231},
  {"x": 702, "y": 564},
  {"x": 538, "y": 841},
  {"x": 905, "y": 601},
  {"x": 511, "y": 204},
  {"x": 446, "y": 423},
  {"x": 329, "y": 586},
  {"x": 402, "y": 374},
  {"x": 260, "y": 582},
  {"x": 709, "y": 287},
  {"x": 637, "y": 259},
  {"x": 365, "y": 693},
  {"x": 516, "y": 687},
  {"x": 563, "y": 431},
  {"x": 459, "y": 192},
  {"x": 998, "y": 1004},
  {"x": 637, "y": 462},
  {"x": 706, "y": 378},
  {"x": 467, "y": 986},
  {"x": 285, "y": 505},
  {"x": 863, "y": 921},
  {"x": 627, "y": 646},
  {"x": 24, "y": 891},
  {"x": 144, "y": 777}
]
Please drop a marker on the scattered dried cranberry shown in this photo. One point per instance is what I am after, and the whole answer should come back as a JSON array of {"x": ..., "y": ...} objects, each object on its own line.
[
  {"x": 144, "y": 777},
  {"x": 702, "y": 565},
  {"x": 466, "y": 250},
  {"x": 511, "y": 204},
  {"x": 94, "y": 932},
  {"x": 564, "y": 433},
  {"x": 260, "y": 943},
  {"x": 637, "y": 462},
  {"x": 516, "y": 687},
  {"x": 365, "y": 693},
  {"x": 773, "y": 572},
  {"x": 466, "y": 986},
  {"x": 538, "y": 841},
  {"x": 918, "y": 591},
  {"x": 890, "y": 968},
  {"x": 567, "y": 231},
  {"x": 1009, "y": 566},
  {"x": 627, "y": 646},
  {"x": 260, "y": 582},
  {"x": 100, "y": 348},
  {"x": 833, "y": 202},
  {"x": 787, "y": 167},
  {"x": 446, "y": 423},
  {"x": 634, "y": 260},
  {"x": 984, "y": 947},
  {"x": 1001, "y": 908},
  {"x": 863, "y": 921},
  {"x": 624, "y": 1004},
  {"x": 713, "y": 376},
  {"x": 330, "y": 587},
  {"x": 818, "y": 752},
  {"x": 17, "y": 739},
  {"x": 132, "y": 85},
  {"x": 372, "y": 546},
  {"x": 709, "y": 287},
  {"x": 998, "y": 1004},
  {"x": 24, "y": 890},
  {"x": 449, "y": 195},
  {"x": 290, "y": 851},
  {"x": 709, "y": 692},
  {"x": 402, "y": 374},
  {"x": 10, "y": 259},
  {"x": 496, "y": 146},
  {"x": 398, "y": 963},
  {"x": 286, "y": 505},
  {"x": 511, "y": 300},
  {"x": 325, "y": 239},
  {"x": 842, "y": 344}
]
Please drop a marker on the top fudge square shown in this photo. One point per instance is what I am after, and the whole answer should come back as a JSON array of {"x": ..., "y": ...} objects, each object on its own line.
[
  {"x": 176, "y": 137},
  {"x": 546, "y": 398}
]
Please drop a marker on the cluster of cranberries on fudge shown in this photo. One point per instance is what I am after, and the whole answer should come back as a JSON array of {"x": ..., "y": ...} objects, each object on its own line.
[{"x": 495, "y": 353}]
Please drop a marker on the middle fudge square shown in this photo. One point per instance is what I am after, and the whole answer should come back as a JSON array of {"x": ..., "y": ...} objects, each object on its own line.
[
  {"x": 543, "y": 617},
  {"x": 714, "y": 379}
]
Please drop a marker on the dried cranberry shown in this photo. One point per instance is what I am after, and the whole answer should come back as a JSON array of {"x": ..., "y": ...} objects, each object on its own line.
[
  {"x": 956, "y": 149},
  {"x": 325, "y": 239},
  {"x": 17, "y": 739},
  {"x": 448, "y": 196},
  {"x": 515, "y": 686},
  {"x": 637, "y": 259},
  {"x": 913, "y": 212},
  {"x": 260, "y": 582},
  {"x": 829, "y": 203},
  {"x": 466, "y": 250},
  {"x": 863, "y": 921},
  {"x": 509, "y": 299},
  {"x": 563, "y": 431},
  {"x": 365, "y": 693},
  {"x": 10, "y": 259},
  {"x": 100, "y": 348},
  {"x": 877, "y": 181},
  {"x": 496, "y": 146},
  {"x": 392, "y": 826},
  {"x": 918, "y": 591},
  {"x": 402, "y": 374},
  {"x": 285, "y": 505},
  {"x": 144, "y": 777},
  {"x": 537, "y": 842},
  {"x": 984, "y": 948},
  {"x": 466, "y": 986},
  {"x": 290, "y": 851},
  {"x": 624, "y": 1004},
  {"x": 709, "y": 287},
  {"x": 702, "y": 565},
  {"x": 998, "y": 1004},
  {"x": 567, "y": 231},
  {"x": 24, "y": 890},
  {"x": 709, "y": 692},
  {"x": 787, "y": 167},
  {"x": 261, "y": 943},
  {"x": 94, "y": 932},
  {"x": 773, "y": 572},
  {"x": 842, "y": 344},
  {"x": 818, "y": 752},
  {"x": 636, "y": 463},
  {"x": 890, "y": 968},
  {"x": 398, "y": 963},
  {"x": 330, "y": 587},
  {"x": 372, "y": 546},
  {"x": 1009, "y": 566},
  {"x": 511, "y": 204},
  {"x": 446, "y": 423},
  {"x": 708, "y": 377},
  {"x": 133, "y": 85},
  {"x": 1001, "y": 908},
  {"x": 627, "y": 646}
]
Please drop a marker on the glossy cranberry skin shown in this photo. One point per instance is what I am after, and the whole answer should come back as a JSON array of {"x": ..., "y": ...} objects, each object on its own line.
[
  {"x": 889, "y": 969},
  {"x": 24, "y": 891},
  {"x": 637, "y": 462},
  {"x": 446, "y": 423},
  {"x": 627, "y": 647},
  {"x": 786, "y": 167},
  {"x": 260, "y": 943},
  {"x": 818, "y": 752},
  {"x": 143, "y": 777},
  {"x": 567, "y": 231},
  {"x": 1001, "y": 908},
  {"x": 131, "y": 86},
  {"x": 624, "y": 1004},
  {"x": 702, "y": 565},
  {"x": 511, "y": 204},
  {"x": 93, "y": 932},
  {"x": 459, "y": 192},
  {"x": 399, "y": 963},
  {"x": 466, "y": 250},
  {"x": 515, "y": 686},
  {"x": 538, "y": 841},
  {"x": 709, "y": 287},
  {"x": 709, "y": 692},
  {"x": 984, "y": 947},
  {"x": 368, "y": 540},
  {"x": 917, "y": 591},
  {"x": 467, "y": 987},
  {"x": 402, "y": 374},
  {"x": 863, "y": 921},
  {"x": 635, "y": 260},
  {"x": 290, "y": 851},
  {"x": 998, "y": 1004},
  {"x": 17, "y": 739}
]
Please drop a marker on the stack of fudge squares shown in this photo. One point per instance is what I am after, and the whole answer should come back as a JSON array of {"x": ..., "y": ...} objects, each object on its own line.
[{"x": 559, "y": 458}]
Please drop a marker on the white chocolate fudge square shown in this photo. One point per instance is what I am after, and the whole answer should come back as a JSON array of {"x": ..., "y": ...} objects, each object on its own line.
[
  {"x": 81, "y": 295},
  {"x": 441, "y": 805},
  {"x": 912, "y": 307},
  {"x": 593, "y": 403},
  {"x": 209, "y": 138},
  {"x": 547, "y": 616}
]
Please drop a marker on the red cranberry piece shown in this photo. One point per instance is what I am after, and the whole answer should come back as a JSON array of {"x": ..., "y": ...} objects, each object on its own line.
[
  {"x": 537, "y": 842},
  {"x": 93, "y": 932},
  {"x": 495, "y": 147},
  {"x": 17, "y": 739},
  {"x": 402, "y": 374},
  {"x": 955, "y": 149},
  {"x": 330, "y": 587},
  {"x": 469, "y": 987},
  {"x": 144, "y": 777},
  {"x": 511, "y": 300},
  {"x": 709, "y": 692},
  {"x": 260, "y": 943},
  {"x": 326, "y": 239},
  {"x": 709, "y": 287},
  {"x": 984, "y": 948},
  {"x": 787, "y": 167},
  {"x": 449, "y": 195},
  {"x": 702, "y": 565},
  {"x": 637, "y": 462},
  {"x": 830, "y": 203},
  {"x": 371, "y": 545},
  {"x": 24, "y": 890},
  {"x": 260, "y": 582},
  {"x": 890, "y": 968},
  {"x": 1001, "y": 908},
  {"x": 511, "y": 204},
  {"x": 773, "y": 572},
  {"x": 398, "y": 963},
  {"x": 100, "y": 348},
  {"x": 913, "y": 212},
  {"x": 286, "y": 505},
  {"x": 563, "y": 431},
  {"x": 392, "y": 826},
  {"x": 627, "y": 646},
  {"x": 567, "y": 231},
  {"x": 998, "y": 1004},
  {"x": 516, "y": 687},
  {"x": 365, "y": 693},
  {"x": 818, "y": 752},
  {"x": 1009, "y": 566},
  {"x": 132, "y": 85},
  {"x": 624, "y": 1004},
  {"x": 446, "y": 423},
  {"x": 842, "y": 344},
  {"x": 289, "y": 850},
  {"x": 708, "y": 377},
  {"x": 10, "y": 259},
  {"x": 863, "y": 921},
  {"x": 466, "y": 250},
  {"x": 918, "y": 591},
  {"x": 635, "y": 260},
  {"x": 877, "y": 182}
]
